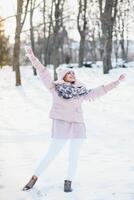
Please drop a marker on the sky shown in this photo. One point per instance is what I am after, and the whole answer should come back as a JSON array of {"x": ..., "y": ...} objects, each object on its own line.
[{"x": 8, "y": 8}]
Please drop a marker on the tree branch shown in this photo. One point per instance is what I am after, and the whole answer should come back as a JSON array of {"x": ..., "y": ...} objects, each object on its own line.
[{"x": 11, "y": 16}]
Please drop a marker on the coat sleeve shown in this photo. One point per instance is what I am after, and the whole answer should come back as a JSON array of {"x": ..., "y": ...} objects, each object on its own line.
[
  {"x": 95, "y": 93},
  {"x": 47, "y": 79},
  {"x": 43, "y": 72},
  {"x": 101, "y": 90}
]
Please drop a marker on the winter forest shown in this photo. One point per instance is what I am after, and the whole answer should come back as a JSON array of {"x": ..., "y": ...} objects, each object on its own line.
[
  {"x": 104, "y": 33},
  {"x": 95, "y": 38}
]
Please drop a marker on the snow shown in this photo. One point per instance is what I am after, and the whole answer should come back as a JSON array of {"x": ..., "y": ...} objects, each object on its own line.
[{"x": 106, "y": 165}]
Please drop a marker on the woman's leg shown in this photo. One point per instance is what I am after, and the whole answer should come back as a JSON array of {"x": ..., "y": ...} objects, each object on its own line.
[
  {"x": 55, "y": 147},
  {"x": 74, "y": 150}
]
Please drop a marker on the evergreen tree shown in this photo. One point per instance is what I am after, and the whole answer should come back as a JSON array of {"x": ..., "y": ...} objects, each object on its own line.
[{"x": 4, "y": 46}]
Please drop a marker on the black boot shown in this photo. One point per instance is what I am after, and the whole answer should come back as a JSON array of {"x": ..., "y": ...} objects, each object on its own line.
[
  {"x": 30, "y": 184},
  {"x": 67, "y": 186}
]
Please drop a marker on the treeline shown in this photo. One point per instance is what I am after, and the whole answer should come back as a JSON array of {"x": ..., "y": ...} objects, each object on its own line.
[
  {"x": 103, "y": 27},
  {"x": 5, "y": 59}
]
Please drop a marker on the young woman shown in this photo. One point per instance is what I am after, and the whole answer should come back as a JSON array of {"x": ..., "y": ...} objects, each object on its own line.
[{"x": 67, "y": 119}]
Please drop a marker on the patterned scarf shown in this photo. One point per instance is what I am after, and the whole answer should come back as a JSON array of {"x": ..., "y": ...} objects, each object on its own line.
[{"x": 70, "y": 91}]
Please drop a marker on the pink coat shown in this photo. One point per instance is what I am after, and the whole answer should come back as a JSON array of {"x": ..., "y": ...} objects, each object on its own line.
[
  {"x": 68, "y": 110},
  {"x": 63, "y": 109}
]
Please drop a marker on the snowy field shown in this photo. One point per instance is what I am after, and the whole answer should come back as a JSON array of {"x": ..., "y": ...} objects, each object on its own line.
[{"x": 106, "y": 164}]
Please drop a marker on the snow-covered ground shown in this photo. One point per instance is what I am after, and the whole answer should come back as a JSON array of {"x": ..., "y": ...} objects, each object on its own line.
[{"x": 106, "y": 164}]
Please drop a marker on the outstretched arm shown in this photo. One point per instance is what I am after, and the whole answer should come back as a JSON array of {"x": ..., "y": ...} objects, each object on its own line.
[
  {"x": 35, "y": 62},
  {"x": 114, "y": 84},
  {"x": 102, "y": 90},
  {"x": 43, "y": 72}
]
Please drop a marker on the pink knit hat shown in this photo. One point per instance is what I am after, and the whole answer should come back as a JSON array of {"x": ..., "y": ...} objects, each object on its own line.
[{"x": 62, "y": 72}]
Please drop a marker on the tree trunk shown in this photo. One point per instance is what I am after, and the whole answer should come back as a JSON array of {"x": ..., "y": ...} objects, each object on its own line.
[
  {"x": 16, "y": 53},
  {"x": 44, "y": 29},
  {"x": 56, "y": 50},
  {"x": 56, "y": 59},
  {"x": 47, "y": 54},
  {"x": 81, "y": 51},
  {"x": 107, "y": 22},
  {"x": 57, "y": 26},
  {"x": 82, "y": 28},
  {"x": 123, "y": 53},
  {"x": 107, "y": 56},
  {"x": 32, "y": 30},
  {"x": 16, "y": 56}
]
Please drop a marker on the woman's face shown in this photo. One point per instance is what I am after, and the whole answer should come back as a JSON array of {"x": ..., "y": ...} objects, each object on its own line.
[{"x": 70, "y": 77}]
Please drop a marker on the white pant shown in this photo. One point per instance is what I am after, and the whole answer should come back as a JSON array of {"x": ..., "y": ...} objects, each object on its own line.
[{"x": 55, "y": 147}]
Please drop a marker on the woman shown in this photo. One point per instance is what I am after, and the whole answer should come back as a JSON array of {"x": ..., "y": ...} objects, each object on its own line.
[{"x": 68, "y": 124}]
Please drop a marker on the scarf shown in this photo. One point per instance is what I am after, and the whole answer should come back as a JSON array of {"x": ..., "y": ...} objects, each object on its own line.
[{"x": 70, "y": 91}]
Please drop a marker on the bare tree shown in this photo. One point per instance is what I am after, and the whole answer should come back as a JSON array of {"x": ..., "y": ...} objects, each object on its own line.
[
  {"x": 82, "y": 28},
  {"x": 121, "y": 29},
  {"x": 48, "y": 42},
  {"x": 32, "y": 6},
  {"x": 58, "y": 23},
  {"x": 44, "y": 28},
  {"x": 108, "y": 11},
  {"x": 116, "y": 42},
  {"x": 124, "y": 8},
  {"x": 19, "y": 26},
  {"x": 93, "y": 30}
]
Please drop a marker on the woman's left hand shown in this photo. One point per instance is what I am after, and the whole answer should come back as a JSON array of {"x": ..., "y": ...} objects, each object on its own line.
[
  {"x": 122, "y": 77},
  {"x": 29, "y": 51}
]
